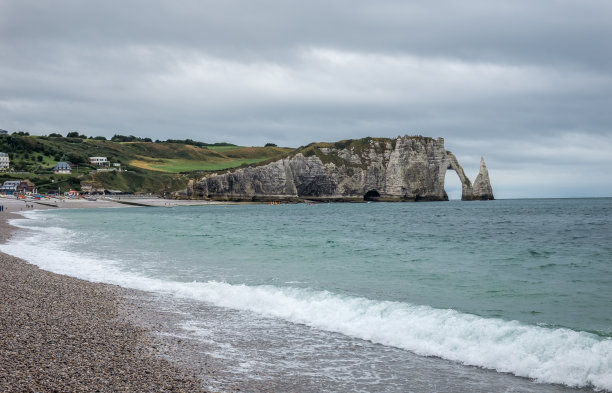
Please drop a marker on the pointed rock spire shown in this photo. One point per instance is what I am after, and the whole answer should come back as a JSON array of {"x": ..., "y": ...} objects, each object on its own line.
[{"x": 482, "y": 185}]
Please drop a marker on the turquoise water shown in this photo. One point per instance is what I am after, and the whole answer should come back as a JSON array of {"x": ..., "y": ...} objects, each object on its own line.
[{"x": 510, "y": 285}]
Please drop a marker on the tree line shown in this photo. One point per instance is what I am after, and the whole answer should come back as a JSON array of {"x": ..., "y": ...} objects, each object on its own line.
[{"x": 132, "y": 138}]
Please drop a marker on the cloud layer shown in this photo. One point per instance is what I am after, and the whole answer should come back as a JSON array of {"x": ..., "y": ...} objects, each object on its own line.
[{"x": 528, "y": 85}]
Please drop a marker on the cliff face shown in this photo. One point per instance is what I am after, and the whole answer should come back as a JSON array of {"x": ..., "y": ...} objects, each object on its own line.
[{"x": 402, "y": 169}]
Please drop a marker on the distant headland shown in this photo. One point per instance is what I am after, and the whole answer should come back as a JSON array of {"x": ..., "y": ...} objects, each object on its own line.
[{"x": 408, "y": 168}]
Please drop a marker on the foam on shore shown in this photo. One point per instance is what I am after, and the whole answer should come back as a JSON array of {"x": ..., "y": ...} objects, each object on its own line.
[
  {"x": 548, "y": 355},
  {"x": 60, "y": 333}
]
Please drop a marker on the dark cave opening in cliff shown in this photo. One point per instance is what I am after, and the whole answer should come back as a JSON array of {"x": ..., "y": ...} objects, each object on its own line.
[{"x": 371, "y": 195}]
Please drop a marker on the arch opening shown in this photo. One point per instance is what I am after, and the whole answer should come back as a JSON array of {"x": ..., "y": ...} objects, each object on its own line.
[
  {"x": 452, "y": 185},
  {"x": 371, "y": 195}
]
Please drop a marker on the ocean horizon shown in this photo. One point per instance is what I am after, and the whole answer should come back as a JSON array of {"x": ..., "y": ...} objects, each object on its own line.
[{"x": 504, "y": 295}]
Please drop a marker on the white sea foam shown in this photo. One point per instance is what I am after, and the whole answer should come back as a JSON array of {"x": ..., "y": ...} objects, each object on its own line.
[{"x": 547, "y": 355}]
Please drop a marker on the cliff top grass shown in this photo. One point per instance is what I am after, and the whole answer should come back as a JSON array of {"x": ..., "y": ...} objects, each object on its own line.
[
  {"x": 330, "y": 155},
  {"x": 209, "y": 159},
  {"x": 355, "y": 146}
]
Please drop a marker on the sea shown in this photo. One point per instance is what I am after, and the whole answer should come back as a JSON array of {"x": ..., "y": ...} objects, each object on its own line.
[{"x": 483, "y": 296}]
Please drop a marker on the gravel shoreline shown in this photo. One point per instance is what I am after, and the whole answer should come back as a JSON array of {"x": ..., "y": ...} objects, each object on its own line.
[{"x": 59, "y": 333}]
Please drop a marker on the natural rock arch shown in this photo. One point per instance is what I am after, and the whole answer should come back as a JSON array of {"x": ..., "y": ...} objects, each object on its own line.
[
  {"x": 466, "y": 184},
  {"x": 481, "y": 190}
]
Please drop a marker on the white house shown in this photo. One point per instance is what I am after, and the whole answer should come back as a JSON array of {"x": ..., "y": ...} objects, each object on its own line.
[
  {"x": 4, "y": 161},
  {"x": 99, "y": 161},
  {"x": 62, "y": 167}
]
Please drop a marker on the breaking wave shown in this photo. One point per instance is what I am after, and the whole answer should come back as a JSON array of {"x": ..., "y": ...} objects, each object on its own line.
[{"x": 548, "y": 355}]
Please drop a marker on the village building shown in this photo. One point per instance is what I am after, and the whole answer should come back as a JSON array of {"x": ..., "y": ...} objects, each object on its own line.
[
  {"x": 26, "y": 187},
  {"x": 62, "y": 168},
  {"x": 9, "y": 187},
  {"x": 4, "y": 161},
  {"x": 110, "y": 167},
  {"x": 99, "y": 161},
  {"x": 14, "y": 187}
]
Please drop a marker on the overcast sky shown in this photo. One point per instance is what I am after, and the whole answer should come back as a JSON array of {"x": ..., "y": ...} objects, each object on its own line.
[{"x": 526, "y": 84}]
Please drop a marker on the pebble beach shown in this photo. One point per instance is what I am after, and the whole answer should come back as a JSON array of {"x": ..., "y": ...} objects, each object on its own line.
[{"x": 59, "y": 333}]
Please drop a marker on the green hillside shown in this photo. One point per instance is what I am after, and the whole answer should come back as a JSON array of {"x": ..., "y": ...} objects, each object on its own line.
[{"x": 146, "y": 166}]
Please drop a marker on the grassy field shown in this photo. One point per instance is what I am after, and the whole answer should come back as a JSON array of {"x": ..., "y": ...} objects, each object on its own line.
[
  {"x": 223, "y": 148},
  {"x": 181, "y": 166},
  {"x": 214, "y": 158}
]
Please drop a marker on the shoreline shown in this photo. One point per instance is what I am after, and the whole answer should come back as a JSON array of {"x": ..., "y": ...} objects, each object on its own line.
[
  {"x": 161, "y": 333},
  {"x": 61, "y": 333}
]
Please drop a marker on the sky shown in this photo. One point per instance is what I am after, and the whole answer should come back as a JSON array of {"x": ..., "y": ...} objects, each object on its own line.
[{"x": 526, "y": 84}]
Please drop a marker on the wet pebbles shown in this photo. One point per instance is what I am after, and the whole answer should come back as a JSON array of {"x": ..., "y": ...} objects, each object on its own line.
[{"x": 62, "y": 334}]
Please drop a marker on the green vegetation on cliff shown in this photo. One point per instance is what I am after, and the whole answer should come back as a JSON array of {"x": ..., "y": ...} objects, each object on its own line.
[
  {"x": 154, "y": 167},
  {"x": 328, "y": 152}
]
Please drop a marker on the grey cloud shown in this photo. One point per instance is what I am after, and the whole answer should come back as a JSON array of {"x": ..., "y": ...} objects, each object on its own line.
[
  {"x": 481, "y": 74},
  {"x": 509, "y": 31}
]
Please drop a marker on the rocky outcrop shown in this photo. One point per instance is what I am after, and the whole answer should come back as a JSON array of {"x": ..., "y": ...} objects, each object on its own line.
[
  {"x": 482, "y": 189},
  {"x": 409, "y": 168}
]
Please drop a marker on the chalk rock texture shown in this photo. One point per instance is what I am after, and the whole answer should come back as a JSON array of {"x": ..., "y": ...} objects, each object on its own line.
[
  {"x": 409, "y": 168},
  {"x": 482, "y": 185}
]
